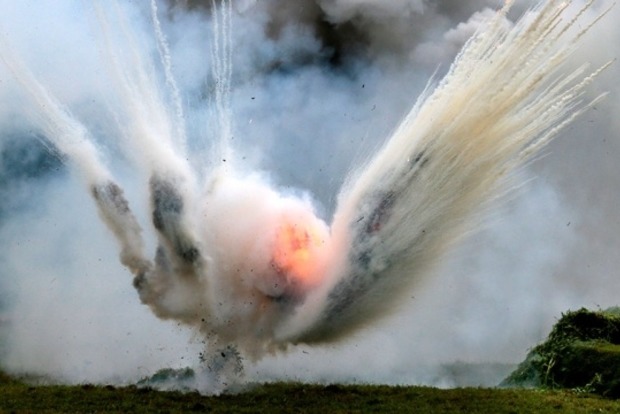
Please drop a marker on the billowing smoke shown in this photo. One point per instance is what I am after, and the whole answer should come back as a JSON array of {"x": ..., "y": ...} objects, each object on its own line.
[{"x": 238, "y": 155}]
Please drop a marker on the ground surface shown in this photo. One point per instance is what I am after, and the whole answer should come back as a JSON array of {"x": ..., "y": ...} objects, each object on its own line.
[{"x": 19, "y": 397}]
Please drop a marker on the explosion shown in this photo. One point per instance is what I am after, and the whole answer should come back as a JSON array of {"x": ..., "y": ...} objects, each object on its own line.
[
  {"x": 250, "y": 267},
  {"x": 297, "y": 249}
]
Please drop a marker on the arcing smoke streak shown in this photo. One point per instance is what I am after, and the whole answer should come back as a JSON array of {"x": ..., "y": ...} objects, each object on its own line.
[
  {"x": 500, "y": 103},
  {"x": 221, "y": 70},
  {"x": 250, "y": 267},
  {"x": 164, "y": 54}
]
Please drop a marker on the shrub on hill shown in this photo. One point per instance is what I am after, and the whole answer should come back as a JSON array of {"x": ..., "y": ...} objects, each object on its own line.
[{"x": 581, "y": 352}]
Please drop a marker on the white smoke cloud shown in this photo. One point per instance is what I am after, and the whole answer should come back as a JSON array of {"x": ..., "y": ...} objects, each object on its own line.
[{"x": 73, "y": 313}]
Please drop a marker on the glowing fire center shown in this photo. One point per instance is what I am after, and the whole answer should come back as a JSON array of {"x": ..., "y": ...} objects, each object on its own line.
[{"x": 296, "y": 251}]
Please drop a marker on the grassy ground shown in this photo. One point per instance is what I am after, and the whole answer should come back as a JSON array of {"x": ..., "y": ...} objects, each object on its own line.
[
  {"x": 582, "y": 351},
  {"x": 19, "y": 397}
]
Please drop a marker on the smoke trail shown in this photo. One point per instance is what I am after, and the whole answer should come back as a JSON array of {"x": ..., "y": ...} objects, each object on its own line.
[
  {"x": 67, "y": 134},
  {"x": 444, "y": 162},
  {"x": 221, "y": 70},
  {"x": 72, "y": 140},
  {"x": 164, "y": 54}
]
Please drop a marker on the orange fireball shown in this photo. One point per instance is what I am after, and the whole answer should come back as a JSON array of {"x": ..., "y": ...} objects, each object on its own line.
[{"x": 295, "y": 251}]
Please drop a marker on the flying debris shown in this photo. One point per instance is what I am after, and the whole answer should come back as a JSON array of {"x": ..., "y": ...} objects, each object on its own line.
[{"x": 255, "y": 270}]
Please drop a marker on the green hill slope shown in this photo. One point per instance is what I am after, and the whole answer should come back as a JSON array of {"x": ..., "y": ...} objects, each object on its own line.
[{"x": 582, "y": 351}]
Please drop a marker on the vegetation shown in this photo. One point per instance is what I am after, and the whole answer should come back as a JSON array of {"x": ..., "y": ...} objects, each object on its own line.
[
  {"x": 579, "y": 359},
  {"x": 581, "y": 352},
  {"x": 19, "y": 397}
]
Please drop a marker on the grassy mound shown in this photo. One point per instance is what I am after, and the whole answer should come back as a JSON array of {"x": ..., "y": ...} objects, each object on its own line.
[{"x": 582, "y": 352}]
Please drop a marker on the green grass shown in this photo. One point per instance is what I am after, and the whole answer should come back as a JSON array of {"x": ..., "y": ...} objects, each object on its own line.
[
  {"x": 582, "y": 351},
  {"x": 19, "y": 397},
  {"x": 581, "y": 357}
]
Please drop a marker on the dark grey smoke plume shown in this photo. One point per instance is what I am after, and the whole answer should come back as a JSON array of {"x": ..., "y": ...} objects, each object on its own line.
[{"x": 317, "y": 85}]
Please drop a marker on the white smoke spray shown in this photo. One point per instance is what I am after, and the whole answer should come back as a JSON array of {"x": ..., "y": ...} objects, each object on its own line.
[{"x": 250, "y": 266}]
